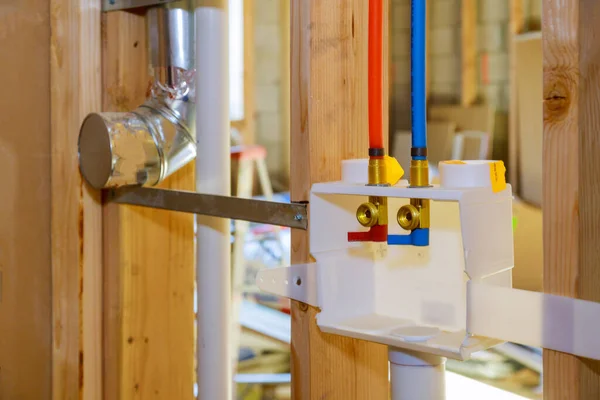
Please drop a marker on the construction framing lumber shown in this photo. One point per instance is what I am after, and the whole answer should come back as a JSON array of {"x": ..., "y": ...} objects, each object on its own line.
[
  {"x": 468, "y": 34},
  {"x": 249, "y": 129},
  {"x": 285, "y": 86},
  {"x": 76, "y": 219},
  {"x": 25, "y": 249},
  {"x": 571, "y": 185},
  {"x": 329, "y": 124},
  {"x": 148, "y": 253},
  {"x": 516, "y": 26}
]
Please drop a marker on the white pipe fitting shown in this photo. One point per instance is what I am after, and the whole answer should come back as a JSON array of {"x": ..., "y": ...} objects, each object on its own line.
[
  {"x": 415, "y": 375},
  {"x": 465, "y": 174}
]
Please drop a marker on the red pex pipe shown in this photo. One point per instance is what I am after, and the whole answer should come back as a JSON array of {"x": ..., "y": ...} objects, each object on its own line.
[{"x": 375, "y": 74}]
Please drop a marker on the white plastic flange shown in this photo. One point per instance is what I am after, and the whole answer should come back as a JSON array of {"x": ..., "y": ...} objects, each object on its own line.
[{"x": 416, "y": 333}]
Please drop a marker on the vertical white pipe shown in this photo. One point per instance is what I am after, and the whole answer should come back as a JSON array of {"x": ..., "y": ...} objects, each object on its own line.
[
  {"x": 213, "y": 273},
  {"x": 416, "y": 375}
]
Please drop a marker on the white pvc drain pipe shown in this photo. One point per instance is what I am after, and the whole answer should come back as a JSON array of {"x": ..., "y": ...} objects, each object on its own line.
[
  {"x": 213, "y": 269},
  {"x": 415, "y": 375}
]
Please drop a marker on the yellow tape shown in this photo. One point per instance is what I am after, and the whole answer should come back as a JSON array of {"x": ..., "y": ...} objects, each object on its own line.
[
  {"x": 454, "y": 162},
  {"x": 497, "y": 176}
]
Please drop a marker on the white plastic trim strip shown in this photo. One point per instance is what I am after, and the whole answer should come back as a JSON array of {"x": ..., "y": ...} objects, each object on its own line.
[
  {"x": 535, "y": 319},
  {"x": 297, "y": 282}
]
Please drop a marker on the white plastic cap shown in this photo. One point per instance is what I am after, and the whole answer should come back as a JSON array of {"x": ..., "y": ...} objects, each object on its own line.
[{"x": 467, "y": 174}]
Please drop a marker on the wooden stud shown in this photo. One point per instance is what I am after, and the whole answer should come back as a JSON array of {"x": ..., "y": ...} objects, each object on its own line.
[
  {"x": 248, "y": 133},
  {"x": 25, "y": 203},
  {"x": 285, "y": 14},
  {"x": 239, "y": 125},
  {"x": 571, "y": 184},
  {"x": 76, "y": 211},
  {"x": 329, "y": 124},
  {"x": 468, "y": 33},
  {"x": 516, "y": 26},
  {"x": 516, "y": 17},
  {"x": 125, "y": 79},
  {"x": 149, "y": 254}
]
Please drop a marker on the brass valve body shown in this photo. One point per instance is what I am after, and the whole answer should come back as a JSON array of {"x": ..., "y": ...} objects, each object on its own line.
[
  {"x": 414, "y": 215},
  {"x": 408, "y": 217},
  {"x": 373, "y": 213}
]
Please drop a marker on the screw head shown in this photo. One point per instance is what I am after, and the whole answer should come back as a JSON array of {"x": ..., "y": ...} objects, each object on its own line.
[{"x": 298, "y": 217}]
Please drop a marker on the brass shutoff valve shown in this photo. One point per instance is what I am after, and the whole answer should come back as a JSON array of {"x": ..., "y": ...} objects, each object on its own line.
[
  {"x": 414, "y": 215},
  {"x": 372, "y": 213}
]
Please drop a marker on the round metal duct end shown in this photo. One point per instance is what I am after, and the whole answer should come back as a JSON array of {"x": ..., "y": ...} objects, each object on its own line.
[{"x": 95, "y": 153}]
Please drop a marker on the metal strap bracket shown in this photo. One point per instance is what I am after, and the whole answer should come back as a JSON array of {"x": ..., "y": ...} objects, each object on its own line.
[
  {"x": 293, "y": 215},
  {"x": 114, "y": 5}
]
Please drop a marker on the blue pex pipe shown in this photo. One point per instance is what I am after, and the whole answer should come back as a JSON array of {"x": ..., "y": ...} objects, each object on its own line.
[{"x": 417, "y": 66}]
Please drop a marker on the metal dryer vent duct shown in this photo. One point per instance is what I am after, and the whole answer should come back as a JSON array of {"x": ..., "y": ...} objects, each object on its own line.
[{"x": 144, "y": 146}]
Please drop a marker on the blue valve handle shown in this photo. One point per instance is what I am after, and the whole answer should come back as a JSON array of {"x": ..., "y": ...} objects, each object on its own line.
[{"x": 418, "y": 237}]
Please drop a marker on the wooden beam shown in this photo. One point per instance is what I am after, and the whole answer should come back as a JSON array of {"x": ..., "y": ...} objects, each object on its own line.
[
  {"x": 571, "y": 170},
  {"x": 516, "y": 26},
  {"x": 149, "y": 254},
  {"x": 468, "y": 34},
  {"x": 124, "y": 77},
  {"x": 25, "y": 255},
  {"x": 76, "y": 212},
  {"x": 249, "y": 132},
  {"x": 329, "y": 124},
  {"x": 239, "y": 125},
  {"x": 285, "y": 15}
]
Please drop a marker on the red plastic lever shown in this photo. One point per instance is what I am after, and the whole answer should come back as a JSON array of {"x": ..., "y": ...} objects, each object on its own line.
[{"x": 377, "y": 233}]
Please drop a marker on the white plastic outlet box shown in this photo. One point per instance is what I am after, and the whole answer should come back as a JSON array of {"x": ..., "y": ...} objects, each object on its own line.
[{"x": 451, "y": 298}]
